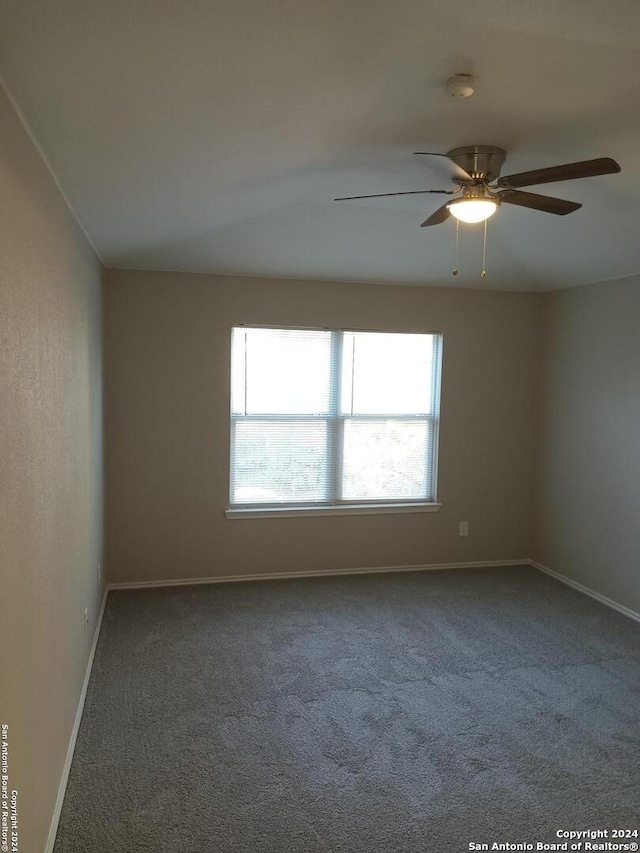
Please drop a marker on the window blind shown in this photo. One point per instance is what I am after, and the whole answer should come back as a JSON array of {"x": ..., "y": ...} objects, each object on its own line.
[{"x": 330, "y": 418}]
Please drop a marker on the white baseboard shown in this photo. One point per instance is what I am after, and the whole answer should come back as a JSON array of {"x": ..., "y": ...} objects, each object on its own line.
[
  {"x": 626, "y": 611},
  {"x": 53, "y": 829},
  {"x": 478, "y": 564}
]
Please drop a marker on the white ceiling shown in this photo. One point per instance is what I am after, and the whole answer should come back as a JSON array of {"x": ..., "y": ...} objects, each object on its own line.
[{"x": 212, "y": 135}]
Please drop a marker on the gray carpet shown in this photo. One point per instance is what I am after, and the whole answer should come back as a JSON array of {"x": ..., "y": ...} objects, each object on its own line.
[{"x": 371, "y": 714}]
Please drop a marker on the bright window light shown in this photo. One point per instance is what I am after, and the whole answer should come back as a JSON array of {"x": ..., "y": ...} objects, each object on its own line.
[{"x": 331, "y": 418}]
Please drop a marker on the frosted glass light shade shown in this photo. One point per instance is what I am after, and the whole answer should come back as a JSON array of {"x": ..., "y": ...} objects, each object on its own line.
[{"x": 472, "y": 209}]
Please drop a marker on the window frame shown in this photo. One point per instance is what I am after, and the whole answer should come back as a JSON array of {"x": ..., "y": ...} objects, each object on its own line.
[{"x": 335, "y": 422}]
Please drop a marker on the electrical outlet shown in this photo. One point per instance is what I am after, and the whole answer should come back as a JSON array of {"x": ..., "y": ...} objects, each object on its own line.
[
  {"x": 464, "y": 528},
  {"x": 86, "y": 620}
]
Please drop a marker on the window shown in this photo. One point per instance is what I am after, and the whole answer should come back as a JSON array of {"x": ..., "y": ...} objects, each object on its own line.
[{"x": 331, "y": 419}]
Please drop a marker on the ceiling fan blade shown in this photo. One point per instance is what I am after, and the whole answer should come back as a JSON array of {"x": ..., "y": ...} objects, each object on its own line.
[
  {"x": 456, "y": 173},
  {"x": 440, "y": 215},
  {"x": 568, "y": 172},
  {"x": 386, "y": 195},
  {"x": 546, "y": 203}
]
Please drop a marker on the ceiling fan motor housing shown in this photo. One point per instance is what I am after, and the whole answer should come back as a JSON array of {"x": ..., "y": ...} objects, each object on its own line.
[
  {"x": 476, "y": 191},
  {"x": 482, "y": 162}
]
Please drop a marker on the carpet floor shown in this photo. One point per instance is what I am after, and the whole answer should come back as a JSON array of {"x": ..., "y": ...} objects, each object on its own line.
[{"x": 397, "y": 713}]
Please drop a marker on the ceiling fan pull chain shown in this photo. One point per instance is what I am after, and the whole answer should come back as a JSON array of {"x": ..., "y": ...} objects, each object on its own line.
[
  {"x": 455, "y": 260},
  {"x": 484, "y": 252}
]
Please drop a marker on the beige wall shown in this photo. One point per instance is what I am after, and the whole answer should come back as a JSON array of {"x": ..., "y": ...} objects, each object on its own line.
[
  {"x": 50, "y": 463},
  {"x": 167, "y": 340},
  {"x": 588, "y": 525}
]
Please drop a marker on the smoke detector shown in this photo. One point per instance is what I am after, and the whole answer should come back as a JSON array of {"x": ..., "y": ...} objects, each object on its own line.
[{"x": 460, "y": 86}]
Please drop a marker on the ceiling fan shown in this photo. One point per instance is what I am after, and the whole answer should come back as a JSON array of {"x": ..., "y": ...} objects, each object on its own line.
[{"x": 475, "y": 169}]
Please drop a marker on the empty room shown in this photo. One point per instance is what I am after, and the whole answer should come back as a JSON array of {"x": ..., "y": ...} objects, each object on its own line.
[{"x": 319, "y": 426}]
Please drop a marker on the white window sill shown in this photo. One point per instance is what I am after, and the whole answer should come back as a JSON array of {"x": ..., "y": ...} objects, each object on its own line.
[{"x": 351, "y": 509}]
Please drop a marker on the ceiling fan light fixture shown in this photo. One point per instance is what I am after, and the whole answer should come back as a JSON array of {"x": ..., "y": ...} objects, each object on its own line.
[{"x": 473, "y": 209}]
